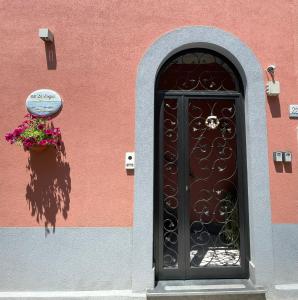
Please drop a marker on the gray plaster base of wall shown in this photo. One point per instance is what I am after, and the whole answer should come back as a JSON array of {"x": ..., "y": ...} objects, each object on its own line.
[
  {"x": 285, "y": 253},
  {"x": 282, "y": 295},
  {"x": 285, "y": 249},
  {"x": 98, "y": 261},
  {"x": 72, "y": 259}
]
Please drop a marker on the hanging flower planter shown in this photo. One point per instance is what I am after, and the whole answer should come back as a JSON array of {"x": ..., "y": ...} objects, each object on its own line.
[{"x": 35, "y": 134}]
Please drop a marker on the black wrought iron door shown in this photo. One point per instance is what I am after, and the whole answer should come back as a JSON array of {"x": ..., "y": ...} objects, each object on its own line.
[{"x": 201, "y": 229}]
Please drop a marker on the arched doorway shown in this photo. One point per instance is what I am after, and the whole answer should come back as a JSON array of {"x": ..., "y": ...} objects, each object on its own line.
[
  {"x": 200, "y": 205},
  {"x": 251, "y": 73}
]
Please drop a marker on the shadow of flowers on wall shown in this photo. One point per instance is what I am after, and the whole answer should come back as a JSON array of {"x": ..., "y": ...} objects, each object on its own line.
[{"x": 48, "y": 191}]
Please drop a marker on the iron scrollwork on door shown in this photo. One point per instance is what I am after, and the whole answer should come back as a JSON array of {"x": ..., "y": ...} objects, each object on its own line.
[
  {"x": 170, "y": 185},
  {"x": 200, "y": 180},
  {"x": 214, "y": 224}
]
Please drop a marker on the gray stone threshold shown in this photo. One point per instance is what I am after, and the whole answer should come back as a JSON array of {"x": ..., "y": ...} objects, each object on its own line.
[{"x": 218, "y": 287}]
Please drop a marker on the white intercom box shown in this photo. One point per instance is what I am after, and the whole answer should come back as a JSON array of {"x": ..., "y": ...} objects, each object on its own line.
[{"x": 129, "y": 160}]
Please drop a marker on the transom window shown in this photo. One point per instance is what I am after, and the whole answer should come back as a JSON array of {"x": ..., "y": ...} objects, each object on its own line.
[{"x": 197, "y": 70}]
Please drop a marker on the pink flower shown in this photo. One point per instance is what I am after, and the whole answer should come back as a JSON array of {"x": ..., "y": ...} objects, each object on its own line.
[
  {"x": 43, "y": 143},
  {"x": 56, "y": 131},
  {"x": 18, "y": 131},
  {"x": 29, "y": 140},
  {"x": 9, "y": 137},
  {"x": 48, "y": 132},
  {"x": 51, "y": 142},
  {"x": 28, "y": 144},
  {"x": 40, "y": 126}
]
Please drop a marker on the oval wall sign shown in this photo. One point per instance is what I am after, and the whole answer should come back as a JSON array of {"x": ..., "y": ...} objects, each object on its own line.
[{"x": 43, "y": 103}]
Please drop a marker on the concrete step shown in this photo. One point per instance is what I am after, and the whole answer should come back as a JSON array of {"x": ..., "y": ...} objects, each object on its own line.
[{"x": 235, "y": 289}]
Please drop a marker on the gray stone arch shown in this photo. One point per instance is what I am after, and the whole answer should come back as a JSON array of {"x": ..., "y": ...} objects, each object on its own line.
[{"x": 250, "y": 70}]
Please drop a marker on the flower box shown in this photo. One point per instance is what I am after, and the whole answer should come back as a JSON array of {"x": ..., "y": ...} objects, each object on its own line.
[{"x": 35, "y": 133}]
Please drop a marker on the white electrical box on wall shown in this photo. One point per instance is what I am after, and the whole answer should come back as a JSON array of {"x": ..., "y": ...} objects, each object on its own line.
[
  {"x": 277, "y": 156},
  {"x": 287, "y": 156},
  {"x": 273, "y": 88},
  {"x": 129, "y": 160}
]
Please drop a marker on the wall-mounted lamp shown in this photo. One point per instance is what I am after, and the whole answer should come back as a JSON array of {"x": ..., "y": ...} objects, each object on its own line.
[
  {"x": 46, "y": 35},
  {"x": 272, "y": 86},
  {"x": 271, "y": 70}
]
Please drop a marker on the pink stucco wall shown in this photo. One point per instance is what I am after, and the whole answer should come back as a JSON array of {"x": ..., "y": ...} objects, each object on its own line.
[{"x": 98, "y": 47}]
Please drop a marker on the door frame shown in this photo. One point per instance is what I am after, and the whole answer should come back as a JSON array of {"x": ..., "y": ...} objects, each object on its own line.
[
  {"x": 227, "y": 271},
  {"x": 251, "y": 73}
]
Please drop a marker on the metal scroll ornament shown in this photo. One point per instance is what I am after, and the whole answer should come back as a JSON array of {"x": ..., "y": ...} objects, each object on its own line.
[{"x": 212, "y": 122}]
